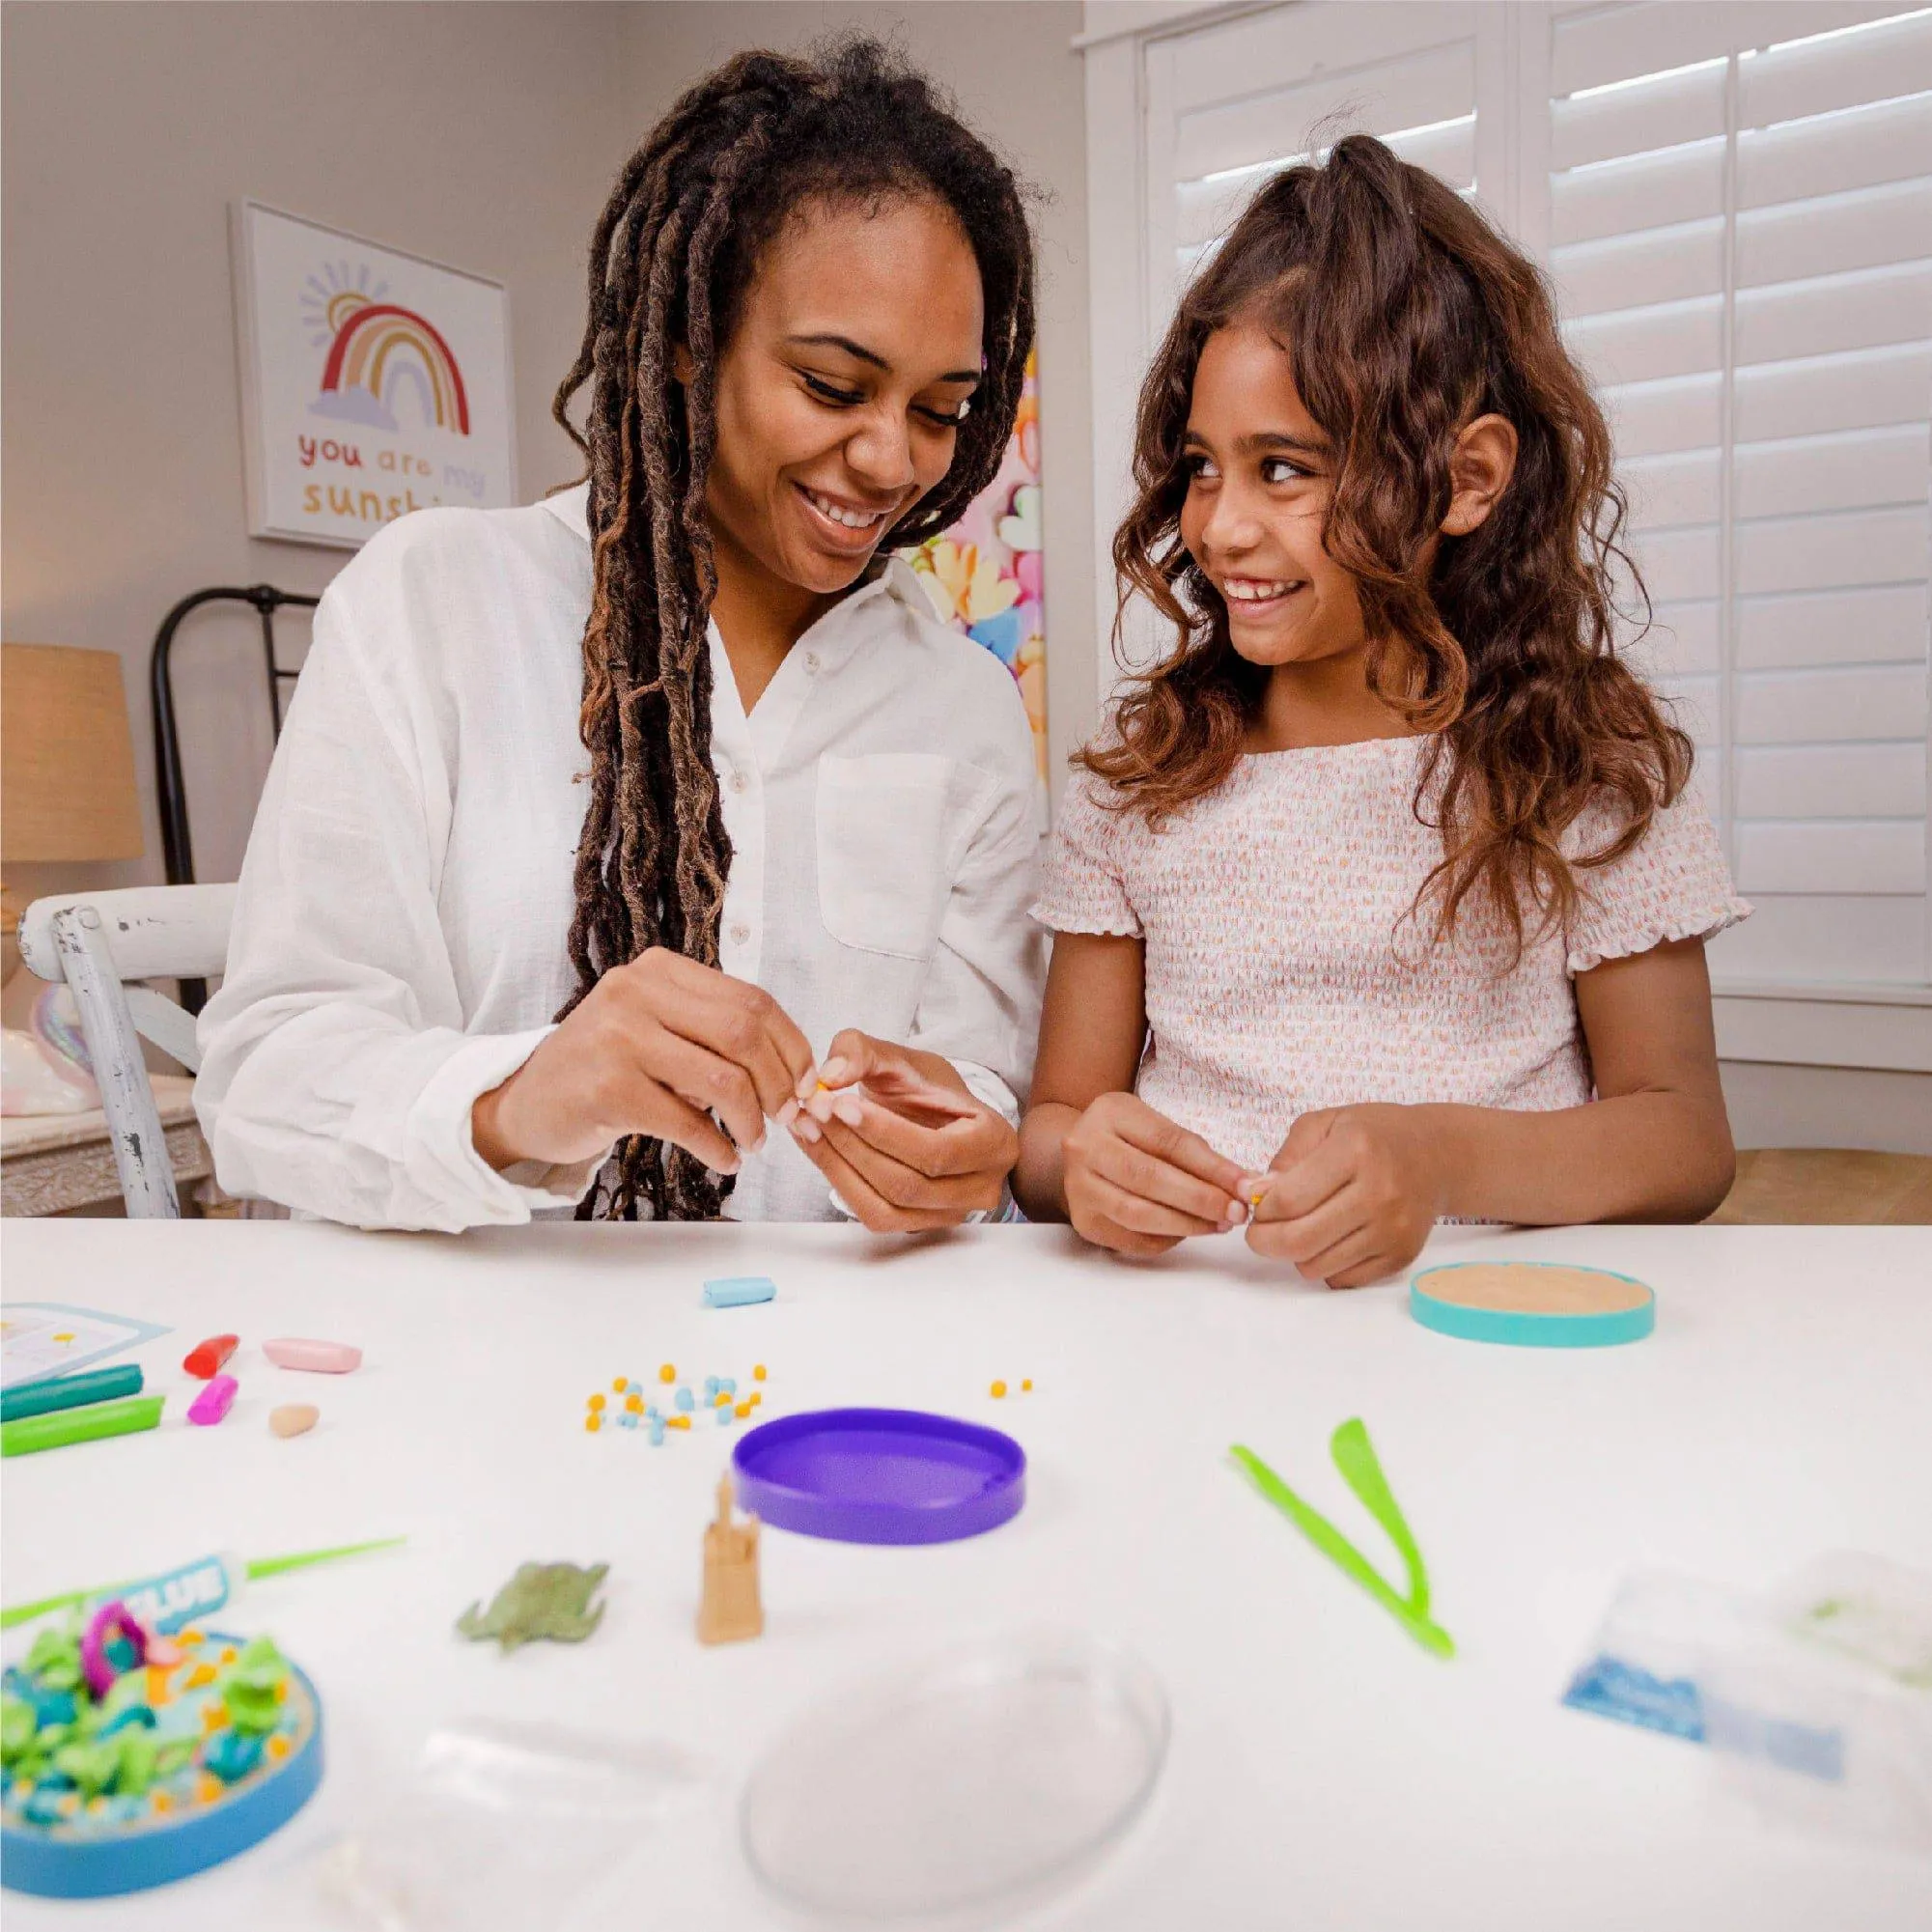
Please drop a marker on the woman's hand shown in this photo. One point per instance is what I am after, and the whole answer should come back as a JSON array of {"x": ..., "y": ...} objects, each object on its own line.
[
  {"x": 1137, "y": 1183},
  {"x": 898, "y": 1136},
  {"x": 1352, "y": 1195},
  {"x": 655, "y": 1048}
]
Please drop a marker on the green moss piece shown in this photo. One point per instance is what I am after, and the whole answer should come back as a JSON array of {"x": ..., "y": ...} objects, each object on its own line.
[
  {"x": 551, "y": 1601},
  {"x": 139, "y": 1761},
  {"x": 170, "y": 1757},
  {"x": 55, "y": 1659},
  {"x": 92, "y": 1765},
  {"x": 250, "y": 1687},
  {"x": 18, "y": 1725}
]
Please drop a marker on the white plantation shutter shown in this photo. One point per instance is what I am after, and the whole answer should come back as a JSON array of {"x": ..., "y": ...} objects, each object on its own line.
[
  {"x": 1228, "y": 105},
  {"x": 1740, "y": 227}
]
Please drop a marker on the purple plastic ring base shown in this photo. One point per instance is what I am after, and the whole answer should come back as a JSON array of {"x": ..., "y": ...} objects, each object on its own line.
[{"x": 879, "y": 1475}]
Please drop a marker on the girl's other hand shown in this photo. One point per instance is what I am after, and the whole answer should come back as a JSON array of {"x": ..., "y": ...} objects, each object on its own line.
[
  {"x": 1140, "y": 1184},
  {"x": 1350, "y": 1197},
  {"x": 896, "y": 1132},
  {"x": 657, "y": 1047}
]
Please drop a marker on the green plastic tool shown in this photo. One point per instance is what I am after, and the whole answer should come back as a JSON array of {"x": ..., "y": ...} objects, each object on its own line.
[
  {"x": 262, "y": 1566},
  {"x": 1354, "y": 1457}
]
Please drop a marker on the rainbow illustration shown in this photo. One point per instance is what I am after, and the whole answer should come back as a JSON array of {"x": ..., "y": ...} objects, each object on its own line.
[{"x": 376, "y": 344}]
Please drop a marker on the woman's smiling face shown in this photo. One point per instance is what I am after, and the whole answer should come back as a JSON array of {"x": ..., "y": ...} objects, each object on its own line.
[
  {"x": 1260, "y": 482},
  {"x": 840, "y": 392}
]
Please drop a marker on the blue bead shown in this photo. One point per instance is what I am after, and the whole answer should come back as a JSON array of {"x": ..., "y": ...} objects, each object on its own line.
[
  {"x": 724, "y": 1415},
  {"x": 727, "y": 1386},
  {"x": 686, "y": 1400},
  {"x": 627, "y": 1420},
  {"x": 657, "y": 1434}
]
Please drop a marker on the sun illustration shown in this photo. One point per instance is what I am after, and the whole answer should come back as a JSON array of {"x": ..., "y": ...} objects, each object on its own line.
[{"x": 330, "y": 298}]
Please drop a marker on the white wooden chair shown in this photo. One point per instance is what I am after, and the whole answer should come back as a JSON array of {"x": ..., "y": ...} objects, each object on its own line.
[{"x": 99, "y": 942}]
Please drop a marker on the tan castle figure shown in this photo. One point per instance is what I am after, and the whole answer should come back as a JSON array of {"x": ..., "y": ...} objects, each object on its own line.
[{"x": 729, "y": 1610}]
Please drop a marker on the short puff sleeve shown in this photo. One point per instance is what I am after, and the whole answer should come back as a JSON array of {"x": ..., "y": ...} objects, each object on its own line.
[
  {"x": 1672, "y": 884},
  {"x": 1082, "y": 886}
]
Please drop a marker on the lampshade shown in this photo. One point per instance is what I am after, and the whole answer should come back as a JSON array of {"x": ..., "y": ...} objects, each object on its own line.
[{"x": 66, "y": 760}]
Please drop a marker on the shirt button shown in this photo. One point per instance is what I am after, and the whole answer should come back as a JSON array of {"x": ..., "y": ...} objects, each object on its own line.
[
  {"x": 741, "y": 933},
  {"x": 739, "y": 780}
]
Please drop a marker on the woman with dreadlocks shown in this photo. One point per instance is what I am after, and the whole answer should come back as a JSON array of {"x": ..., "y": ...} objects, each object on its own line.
[{"x": 798, "y": 806}]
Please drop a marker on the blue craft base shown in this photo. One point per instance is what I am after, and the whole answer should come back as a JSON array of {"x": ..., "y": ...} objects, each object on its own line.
[
  {"x": 1517, "y": 1327},
  {"x": 162, "y": 1849}
]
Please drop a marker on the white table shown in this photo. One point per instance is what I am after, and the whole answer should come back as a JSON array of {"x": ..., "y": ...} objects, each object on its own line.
[{"x": 1325, "y": 1772}]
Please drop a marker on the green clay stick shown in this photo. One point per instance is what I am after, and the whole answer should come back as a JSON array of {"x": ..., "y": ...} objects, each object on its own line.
[
  {"x": 58, "y": 1427},
  {"x": 1354, "y": 1457}
]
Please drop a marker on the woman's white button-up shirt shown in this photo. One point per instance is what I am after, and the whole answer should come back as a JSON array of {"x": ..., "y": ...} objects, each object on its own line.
[{"x": 399, "y": 940}]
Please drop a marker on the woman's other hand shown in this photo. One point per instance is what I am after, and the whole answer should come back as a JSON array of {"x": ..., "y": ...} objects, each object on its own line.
[
  {"x": 897, "y": 1135},
  {"x": 656, "y": 1047},
  {"x": 1352, "y": 1195}
]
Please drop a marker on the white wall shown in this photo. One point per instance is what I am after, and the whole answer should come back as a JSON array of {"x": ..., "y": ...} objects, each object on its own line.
[{"x": 482, "y": 135}]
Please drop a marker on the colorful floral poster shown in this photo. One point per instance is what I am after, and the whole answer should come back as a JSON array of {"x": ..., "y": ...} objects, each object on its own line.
[
  {"x": 984, "y": 574},
  {"x": 372, "y": 383}
]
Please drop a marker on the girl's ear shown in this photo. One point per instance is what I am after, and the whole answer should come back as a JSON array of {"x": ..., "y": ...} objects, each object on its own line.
[
  {"x": 683, "y": 368},
  {"x": 1479, "y": 472}
]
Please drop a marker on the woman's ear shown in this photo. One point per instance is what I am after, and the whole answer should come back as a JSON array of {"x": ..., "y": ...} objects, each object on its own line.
[
  {"x": 1483, "y": 461},
  {"x": 683, "y": 369}
]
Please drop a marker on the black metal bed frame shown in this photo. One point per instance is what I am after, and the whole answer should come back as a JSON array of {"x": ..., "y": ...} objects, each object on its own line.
[{"x": 177, "y": 848}]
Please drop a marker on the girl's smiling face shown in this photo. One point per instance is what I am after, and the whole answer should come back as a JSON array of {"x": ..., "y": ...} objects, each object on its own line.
[
  {"x": 1260, "y": 479},
  {"x": 841, "y": 390}
]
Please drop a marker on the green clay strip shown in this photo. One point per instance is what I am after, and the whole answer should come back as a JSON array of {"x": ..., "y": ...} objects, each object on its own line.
[{"x": 1356, "y": 1458}]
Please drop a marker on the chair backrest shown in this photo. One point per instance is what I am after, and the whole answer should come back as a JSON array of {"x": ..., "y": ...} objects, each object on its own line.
[{"x": 96, "y": 942}]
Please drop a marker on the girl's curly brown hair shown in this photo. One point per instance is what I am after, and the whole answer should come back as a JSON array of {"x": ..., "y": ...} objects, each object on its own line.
[{"x": 1407, "y": 316}]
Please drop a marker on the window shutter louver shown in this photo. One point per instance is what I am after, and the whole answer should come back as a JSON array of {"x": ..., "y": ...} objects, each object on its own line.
[{"x": 1740, "y": 221}]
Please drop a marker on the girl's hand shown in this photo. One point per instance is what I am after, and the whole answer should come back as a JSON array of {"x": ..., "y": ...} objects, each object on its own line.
[
  {"x": 1137, "y": 1183},
  {"x": 900, "y": 1137},
  {"x": 655, "y": 1048},
  {"x": 1350, "y": 1197}
]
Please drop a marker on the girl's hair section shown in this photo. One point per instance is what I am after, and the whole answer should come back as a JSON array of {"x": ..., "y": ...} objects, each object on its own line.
[
  {"x": 758, "y": 142},
  {"x": 1407, "y": 316}
]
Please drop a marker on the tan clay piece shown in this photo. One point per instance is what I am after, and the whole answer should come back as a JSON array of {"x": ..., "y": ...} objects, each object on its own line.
[
  {"x": 729, "y": 1610},
  {"x": 293, "y": 1418},
  {"x": 1540, "y": 1289}
]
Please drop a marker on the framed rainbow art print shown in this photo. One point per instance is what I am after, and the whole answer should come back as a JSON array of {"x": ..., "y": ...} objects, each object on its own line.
[{"x": 372, "y": 383}]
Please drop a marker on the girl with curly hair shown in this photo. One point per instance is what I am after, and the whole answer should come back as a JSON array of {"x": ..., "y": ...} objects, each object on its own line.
[{"x": 1384, "y": 899}]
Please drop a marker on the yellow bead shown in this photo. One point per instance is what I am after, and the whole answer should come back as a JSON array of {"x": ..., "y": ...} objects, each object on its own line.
[
  {"x": 208, "y": 1787},
  {"x": 1025, "y": 1388},
  {"x": 668, "y": 1373},
  {"x": 162, "y": 1800},
  {"x": 758, "y": 1373},
  {"x": 634, "y": 1404},
  {"x": 278, "y": 1747},
  {"x": 744, "y": 1410},
  {"x": 999, "y": 1388},
  {"x": 592, "y": 1423},
  {"x": 597, "y": 1401},
  {"x": 618, "y": 1387}
]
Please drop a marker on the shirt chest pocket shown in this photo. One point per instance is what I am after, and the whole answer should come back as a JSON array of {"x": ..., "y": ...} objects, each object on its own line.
[{"x": 881, "y": 850}]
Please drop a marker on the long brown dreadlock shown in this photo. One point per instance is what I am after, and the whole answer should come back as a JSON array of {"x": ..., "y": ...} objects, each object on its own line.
[{"x": 672, "y": 257}]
